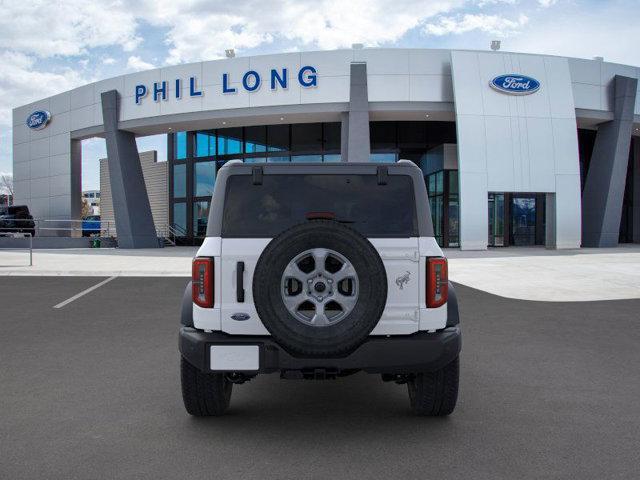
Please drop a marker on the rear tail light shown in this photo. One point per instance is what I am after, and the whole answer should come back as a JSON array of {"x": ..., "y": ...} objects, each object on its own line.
[
  {"x": 202, "y": 282},
  {"x": 437, "y": 282}
]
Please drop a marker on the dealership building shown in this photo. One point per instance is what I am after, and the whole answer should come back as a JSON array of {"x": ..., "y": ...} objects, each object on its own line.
[{"x": 516, "y": 149}]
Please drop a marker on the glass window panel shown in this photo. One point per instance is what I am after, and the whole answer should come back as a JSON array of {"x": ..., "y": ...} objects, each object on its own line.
[
  {"x": 334, "y": 157},
  {"x": 179, "y": 180},
  {"x": 204, "y": 177},
  {"x": 453, "y": 182},
  {"x": 255, "y": 160},
  {"x": 277, "y": 159},
  {"x": 454, "y": 223},
  {"x": 306, "y": 158},
  {"x": 255, "y": 139},
  {"x": 229, "y": 141},
  {"x": 383, "y": 157},
  {"x": 439, "y": 182},
  {"x": 200, "y": 218},
  {"x": 332, "y": 133},
  {"x": 383, "y": 135},
  {"x": 431, "y": 185},
  {"x": 180, "y": 145},
  {"x": 180, "y": 216},
  {"x": 306, "y": 137},
  {"x": 278, "y": 138},
  {"x": 205, "y": 144}
]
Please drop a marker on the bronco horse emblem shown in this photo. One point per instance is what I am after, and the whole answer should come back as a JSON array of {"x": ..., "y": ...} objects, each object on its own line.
[{"x": 403, "y": 279}]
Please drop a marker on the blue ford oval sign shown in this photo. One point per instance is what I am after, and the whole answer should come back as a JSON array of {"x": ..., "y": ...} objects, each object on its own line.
[
  {"x": 38, "y": 119},
  {"x": 515, "y": 84}
]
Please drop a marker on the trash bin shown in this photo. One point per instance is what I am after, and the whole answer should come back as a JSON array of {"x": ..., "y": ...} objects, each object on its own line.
[{"x": 95, "y": 243}]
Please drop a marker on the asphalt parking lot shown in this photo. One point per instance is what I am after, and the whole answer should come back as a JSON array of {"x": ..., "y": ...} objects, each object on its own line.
[{"x": 91, "y": 390}]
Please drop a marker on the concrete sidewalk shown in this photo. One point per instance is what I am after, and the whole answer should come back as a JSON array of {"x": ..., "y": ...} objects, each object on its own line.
[
  {"x": 550, "y": 275},
  {"x": 155, "y": 262},
  {"x": 520, "y": 273}
]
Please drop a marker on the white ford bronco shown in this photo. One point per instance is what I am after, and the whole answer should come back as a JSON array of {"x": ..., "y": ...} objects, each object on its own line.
[{"x": 319, "y": 271}]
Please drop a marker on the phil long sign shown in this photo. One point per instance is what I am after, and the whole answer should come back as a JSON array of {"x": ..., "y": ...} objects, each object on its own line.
[
  {"x": 250, "y": 81},
  {"x": 515, "y": 84}
]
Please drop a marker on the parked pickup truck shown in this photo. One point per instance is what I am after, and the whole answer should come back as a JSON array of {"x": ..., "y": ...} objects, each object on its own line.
[
  {"x": 17, "y": 219},
  {"x": 318, "y": 271}
]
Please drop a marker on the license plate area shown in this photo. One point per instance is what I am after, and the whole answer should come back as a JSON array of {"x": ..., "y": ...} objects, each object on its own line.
[{"x": 234, "y": 358}]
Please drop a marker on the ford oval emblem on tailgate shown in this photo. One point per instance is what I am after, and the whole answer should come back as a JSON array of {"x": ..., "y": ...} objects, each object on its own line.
[{"x": 240, "y": 317}]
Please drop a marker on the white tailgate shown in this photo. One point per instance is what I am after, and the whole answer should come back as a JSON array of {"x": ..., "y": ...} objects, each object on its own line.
[
  {"x": 234, "y": 250},
  {"x": 401, "y": 259}
]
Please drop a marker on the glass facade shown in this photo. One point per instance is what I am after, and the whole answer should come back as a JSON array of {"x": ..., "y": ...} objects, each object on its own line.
[
  {"x": 438, "y": 166},
  {"x": 442, "y": 187},
  {"x": 196, "y": 156}
]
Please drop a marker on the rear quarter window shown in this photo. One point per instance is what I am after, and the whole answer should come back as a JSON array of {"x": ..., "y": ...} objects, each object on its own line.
[{"x": 285, "y": 200}]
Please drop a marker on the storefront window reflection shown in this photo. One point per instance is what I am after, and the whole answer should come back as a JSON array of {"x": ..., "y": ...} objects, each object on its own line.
[
  {"x": 200, "y": 217},
  {"x": 204, "y": 177}
]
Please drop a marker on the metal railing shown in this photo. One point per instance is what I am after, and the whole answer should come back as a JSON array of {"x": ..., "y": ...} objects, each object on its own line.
[
  {"x": 46, "y": 227},
  {"x": 20, "y": 235},
  {"x": 171, "y": 232},
  {"x": 78, "y": 228}
]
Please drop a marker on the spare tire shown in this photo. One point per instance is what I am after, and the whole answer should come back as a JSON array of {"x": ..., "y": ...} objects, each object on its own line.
[{"x": 320, "y": 288}]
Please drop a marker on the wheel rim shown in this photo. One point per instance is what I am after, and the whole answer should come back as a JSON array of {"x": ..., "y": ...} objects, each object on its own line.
[{"x": 319, "y": 287}]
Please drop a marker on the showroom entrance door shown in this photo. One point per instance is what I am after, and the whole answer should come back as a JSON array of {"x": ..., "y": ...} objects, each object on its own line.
[{"x": 523, "y": 220}]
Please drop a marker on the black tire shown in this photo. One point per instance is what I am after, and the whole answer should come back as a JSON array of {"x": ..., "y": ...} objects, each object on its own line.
[
  {"x": 435, "y": 394},
  {"x": 204, "y": 394},
  {"x": 352, "y": 330}
]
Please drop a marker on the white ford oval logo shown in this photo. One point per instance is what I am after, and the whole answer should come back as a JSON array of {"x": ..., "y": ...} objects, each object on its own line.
[
  {"x": 240, "y": 317},
  {"x": 515, "y": 84}
]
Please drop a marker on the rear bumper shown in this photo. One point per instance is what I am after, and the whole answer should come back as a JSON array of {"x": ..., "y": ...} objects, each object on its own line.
[{"x": 420, "y": 352}]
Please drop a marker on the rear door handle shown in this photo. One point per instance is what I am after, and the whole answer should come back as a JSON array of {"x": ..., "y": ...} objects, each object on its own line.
[{"x": 240, "y": 282}]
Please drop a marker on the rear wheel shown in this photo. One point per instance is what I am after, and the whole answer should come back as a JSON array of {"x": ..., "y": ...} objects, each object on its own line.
[
  {"x": 204, "y": 394},
  {"x": 434, "y": 394}
]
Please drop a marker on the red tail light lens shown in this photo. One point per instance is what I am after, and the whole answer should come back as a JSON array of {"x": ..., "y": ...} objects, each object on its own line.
[
  {"x": 202, "y": 282},
  {"x": 437, "y": 282}
]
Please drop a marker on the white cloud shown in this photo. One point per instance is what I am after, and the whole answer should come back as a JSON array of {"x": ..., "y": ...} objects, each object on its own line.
[
  {"x": 587, "y": 37},
  {"x": 136, "y": 63},
  {"x": 214, "y": 26},
  {"x": 21, "y": 83},
  {"x": 108, "y": 61},
  {"x": 491, "y": 24},
  {"x": 71, "y": 27},
  {"x": 547, "y": 3}
]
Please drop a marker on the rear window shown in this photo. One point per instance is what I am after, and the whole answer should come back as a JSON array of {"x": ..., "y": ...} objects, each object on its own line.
[
  {"x": 282, "y": 201},
  {"x": 20, "y": 210}
]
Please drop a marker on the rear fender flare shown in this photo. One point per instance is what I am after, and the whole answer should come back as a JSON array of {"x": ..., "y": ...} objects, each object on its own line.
[
  {"x": 186, "y": 313},
  {"x": 453, "y": 315}
]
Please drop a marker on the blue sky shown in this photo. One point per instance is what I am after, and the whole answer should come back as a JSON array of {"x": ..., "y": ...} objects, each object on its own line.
[{"x": 48, "y": 49}]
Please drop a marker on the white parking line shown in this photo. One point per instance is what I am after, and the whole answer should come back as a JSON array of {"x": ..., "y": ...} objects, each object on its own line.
[{"x": 83, "y": 293}]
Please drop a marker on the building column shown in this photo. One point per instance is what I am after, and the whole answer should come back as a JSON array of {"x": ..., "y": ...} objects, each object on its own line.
[
  {"x": 131, "y": 208},
  {"x": 636, "y": 190},
  {"x": 605, "y": 183},
  {"x": 356, "y": 123}
]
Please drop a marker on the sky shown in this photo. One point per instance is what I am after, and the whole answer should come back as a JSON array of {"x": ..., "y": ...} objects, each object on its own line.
[{"x": 48, "y": 47}]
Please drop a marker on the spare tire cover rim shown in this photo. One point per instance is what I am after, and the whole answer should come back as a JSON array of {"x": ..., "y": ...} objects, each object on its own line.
[{"x": 319, "y": 287}]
